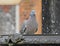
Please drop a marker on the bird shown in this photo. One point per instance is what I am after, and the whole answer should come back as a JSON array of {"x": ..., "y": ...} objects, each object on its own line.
[{"x": 30, "y": 25}]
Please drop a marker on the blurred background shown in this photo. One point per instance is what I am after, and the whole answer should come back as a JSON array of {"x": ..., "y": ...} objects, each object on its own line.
[
  {"x": 36, "y": 17},
  {"x": 7, "y": 20}
]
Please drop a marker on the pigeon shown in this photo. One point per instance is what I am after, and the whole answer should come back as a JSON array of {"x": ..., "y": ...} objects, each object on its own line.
[{"x": 30, "y": 25}]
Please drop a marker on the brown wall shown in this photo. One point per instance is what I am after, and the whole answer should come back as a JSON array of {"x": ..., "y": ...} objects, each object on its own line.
[{"x": 38, "y": 8}]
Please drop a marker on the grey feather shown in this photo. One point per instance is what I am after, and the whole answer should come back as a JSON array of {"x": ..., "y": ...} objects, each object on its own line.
[{"x": 30, "y": 26}]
